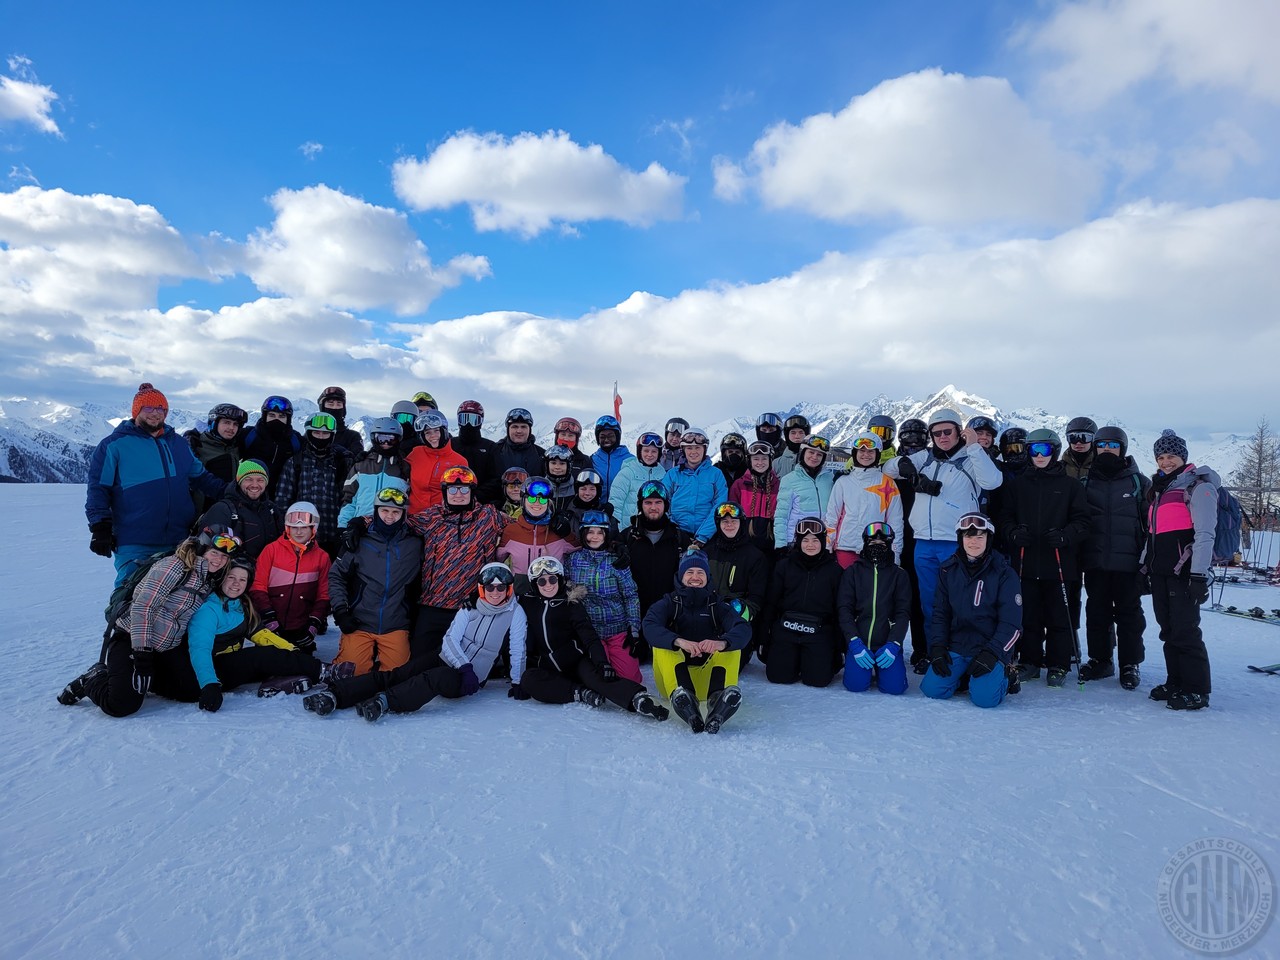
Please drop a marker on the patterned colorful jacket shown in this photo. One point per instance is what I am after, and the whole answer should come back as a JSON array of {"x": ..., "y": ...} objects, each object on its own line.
[
  {"x": 164, "y": 603},
  {"x": 611, "y": 599},
  {"x": 454, "y": 548}
]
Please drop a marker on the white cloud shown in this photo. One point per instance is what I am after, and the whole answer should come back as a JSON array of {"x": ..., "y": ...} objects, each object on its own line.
[
  {"x": 334, "y": 249},
  {"x": 529, "y": 182},
  {"x": 1217, "y": 152},
  {"x": 23, "y": 99},
  {"x": 1104, "y": 47},
  {"x": 927, "y": 148},
  {"x": 311, "y": 149},
  {"x": 731, "y": 180}
]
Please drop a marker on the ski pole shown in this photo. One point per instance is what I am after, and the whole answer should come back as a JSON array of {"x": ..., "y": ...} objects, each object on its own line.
[{"x": 1066, "y": 605}]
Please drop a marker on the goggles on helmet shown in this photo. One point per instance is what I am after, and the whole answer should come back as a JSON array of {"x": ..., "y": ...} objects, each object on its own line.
[
  {"x": 277, "y": 405},
  {"x": 391, "y": 497},
  {"x": 458, "y": 476},
  {"x": 975, "y": 521},
  {"x": 810, "y": 525},
  {"x": 728, "y": 511},
  {"x": 322, "y": 421}
]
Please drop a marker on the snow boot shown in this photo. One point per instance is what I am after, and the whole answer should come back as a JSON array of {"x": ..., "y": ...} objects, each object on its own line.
[
  {"x": 1162, "y": 691},
  {"x": 1028, "y": 671},
  {"x": 1130, "y": 676},
  {"x": 920, "y": 667},
  {"x": 588, "y": 696},
  {"x": 1097, "y": 670},
  {"x": 277, "y": 685},
  {"x": 686, "y": 707},
  {"x": 1187, "y": 701},
  {"x": 1011, "y": 678},
  {"x": 721, "y": 707},
  {"x": 644, "y": 704},
  {"x": 74, "y": 691},
  {"x": 371, "y": 710},
  {"x": 330, "y": 672},
  {"x": 1056, "y": 677},
  {"x": 322, "y": 702}
]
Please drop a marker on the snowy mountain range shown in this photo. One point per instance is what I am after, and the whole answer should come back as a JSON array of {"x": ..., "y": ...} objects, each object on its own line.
[{"x": 51, "y": 442}]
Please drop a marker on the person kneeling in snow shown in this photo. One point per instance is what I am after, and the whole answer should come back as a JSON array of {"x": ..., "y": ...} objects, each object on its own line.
[
  {"x": 470, "y": 646},
  {"x": 566, "y": 660},
  {"x": 696, "y": 639},
  {"x": 977, "y": 617},
  {"x": 874, "y": 607}
]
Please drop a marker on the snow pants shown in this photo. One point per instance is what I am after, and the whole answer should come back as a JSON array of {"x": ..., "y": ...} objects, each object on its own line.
[
  {"x": 429, "y": 628},
  {"x": 813, "y": 663},
  {"x": 1046, "y": 625},
  {"x": 702, "y": 676},
  {"x": 408, "y": 688},
  {"x": 1114, "y": 599},
  {"x": 1185, "y": 656},
  {"x": 890, "y": 679},
  {"x": 362, "y": 647},
  {"x": 113, "y": 691},
  {"x": 623, "y": 662},
  {"x": 984, "y": 691},
  {"x": 128, "y": 557},
  {"x": 929, "y": 555},
  {"x": 546, "y": 684},
  {"x": 919, "y": 640}
]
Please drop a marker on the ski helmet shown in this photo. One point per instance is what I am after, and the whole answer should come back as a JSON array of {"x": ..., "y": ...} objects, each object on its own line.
[
  {"x": 519, "y": 415},
  {"x": 302, "y": 514},
  {"x": 1043, "y": 436},
  {"x": 458, "y": 477},
  {"x": 332, "y": 393},
  {"x": 760, "y": 449},
  {"x": 913, "y": 434},
  {"x": 277, "y": 404},
  {"x": 608, "y": 422},
  {"x": 796, "y": 420},
  {"x": 648, "y": 440},
  {"x": 653, "y": 489},
  {"x": 424, "y": 399},
  {"x": 981, "y": 422},
  {"x": 570, "y": 425},
  {"x": 586, "y": 477},
  {"x": 385, "y": 427},
  {"x": 546, "y": 567},
  {"x": 1013, "y": 444},
  {"x": 432, "y": 420},
  {"x": 1112, "y": 434},
  {"x": 694, "y": 437},
  {"x": 514, "y": 475},
  {"x": 559, "y": 452},
  {"x": 877, "y": 541},
  {"x": 325, "y": 422},
  {"x": 495, "y": 573},
  {"x": 392, "y": 497},
  {"x": 733, "y": 441},
  {"x": 537, "y": 487},
  {"x": 1079, "y": 426},
  {"x": 470, "y": 413},
  {"x": 884, "y": 428},
  {"x": 404, "y": 411},
  {"x": 677, "y": 425},
  {"x": 945, "y": 415},
  {"x": 227, "y": 411},
  {"x": 219, "y": 537},
  {"x": 593, "y": 519},
  {"x": 241, "y": 561}
]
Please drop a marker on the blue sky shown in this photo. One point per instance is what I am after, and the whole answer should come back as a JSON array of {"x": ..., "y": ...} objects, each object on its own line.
[{"x": 818, "y": 201}]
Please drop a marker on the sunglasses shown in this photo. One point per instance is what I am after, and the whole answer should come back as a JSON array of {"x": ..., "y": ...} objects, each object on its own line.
[
  {"x": 1041, "y": 449},
  {"x": 469, "y": 419},
  {"x": 457, "y": 488},
  {"x": 547, "y": 579},
  {"x": 810, "y": 526},
  {"x": 495, "y": 588},
  {"x": 864, "y": 444},
  {"x": 1108, "y": 444},
  {"x": 729, "y": 511},
  {"x": 392, "y": 497},
  {"x": 943, "y": 432},
  {"x": 1079, "y": 438},
  {"x": 322, "y": 421},
  {"x": 277, "y": 405}
]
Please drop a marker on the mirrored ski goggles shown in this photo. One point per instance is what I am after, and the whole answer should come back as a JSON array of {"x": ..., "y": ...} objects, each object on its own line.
[
  {"x": 1079, "y": 438},
  {"x": 458, "y": 476},
  {"x": 608, "y": 423},
  {"x": 560, "y": 452},
  {"x": 391, "y": 497},
  {"x": 496, "y": 573},
  {"x": 516, "y": 475},
  {"x": 816, "y": 443},
  {"x": 406, "y": 417},
  {"x": 322, "y": 421},
  {"x": 299, "y": 518},
  {"x": 385, "y": 438},
  {"x": 470, "y": 419},
  {"x": 424, "y": 399},
  {"x": 884, "y": 433},
  {"x": 225, "y": 542},
  {"x": 649, "y": 440},
  {"x": 651, "y": 489},
  {"x": 693, "y": 440},
  {"x": 277, "y": 405},
  {"x": 1041, "y": 449},
  {"x": 864, "y": 443},
  {"x": 519, "y": 415},
  {"x": 1014, "y": 448},
  {"x": 975, "y": 522},
  {"x": 548, "y": 566},
  {"x": 1108, "y": 444},
  {"x": 810, "y": 525},
  {"x": 769, "y": 420},
  {"x": 878, "y": 528},
  {"x": 587, "y": 476},
  {"x": 539, "y": 491},
  {"x": 676, "y": 427},
  {"x": 728, "y": 511},
  {"x": 760, "y": 450}
]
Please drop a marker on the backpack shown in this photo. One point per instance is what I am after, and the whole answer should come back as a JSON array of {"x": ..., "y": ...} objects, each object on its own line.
[
  {"x": 122, "y": 596},
  {"x": 1226, "y": 532}
]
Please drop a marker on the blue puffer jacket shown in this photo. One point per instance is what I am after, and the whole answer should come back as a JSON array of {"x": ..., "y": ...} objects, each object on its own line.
[
  {"x": 632, "y": 475},
  {"x": 695, "y": 493},
  {"x": 217, "y": 626},
  {"x": 977, "y": 607},
  {"x": 800, "y": 494},
  {"x": 608, "y": 465},
  {"x": 372, "y": 473},
  {"x": 142, "y": 484}
]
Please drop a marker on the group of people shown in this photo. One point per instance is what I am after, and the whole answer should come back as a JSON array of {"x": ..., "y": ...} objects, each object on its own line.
[{"x": 447, "y": 561}]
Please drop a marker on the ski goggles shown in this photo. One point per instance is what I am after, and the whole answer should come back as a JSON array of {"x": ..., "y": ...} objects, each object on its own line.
[
  {"x": 391, "y": 497},
  {"x": 728, "y": 511},
  {"x": 608, "y": 423},
  {"x": 983, "y": 423},
  {"x": 884, "y": 433},
  {"x": 760, "y": 450},
  {"x": 1015, "y": 448},
  {"x": 228, "y": 411},
  {"x": 385, "y": 438},
  {"x": 498, "y": 574},
  {"x": 277, "y": 405},
  {"x": 539, "y": 491},
  {"x": 299, "y": 518},
  {"x": 1108, "y": 444},
  {"x": 972, "y": 523},
  {"x": 878, "y": 528},
  {"x": 322, "y": 421},
  {"x": 864, "y": 443},
  {"x": 810, "y": 526},
  {"x": 226, "y": 543},
  {"x": 769, "y": 420},
  {"x": 560, "y": 452},
  {"x": 816, "y": 443},
  {"x": 692, "y": 439},
  {"x": 588, "y": 476},
  {"x": 458, "y": 476},
  {"x": 519, "y": 415},
  {"x": 1041, "y": 449},
  {"x": 652, "y": 489},
  {"x": 406, "y": 417},
  {"x": 649, "y": 440},
  {"x": 545, "y": 566},
  {"x": 1080, "y": 438},
  {"x": 424, "y": 399},
  {"x": 677, "y": 427},
  {"x": 516, "y": 475},
  {"x": 470, "y": 419}
]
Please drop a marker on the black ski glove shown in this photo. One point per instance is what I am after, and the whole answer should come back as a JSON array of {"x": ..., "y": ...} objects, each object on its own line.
[
  {"x": 1055, "y": 538},
  {"x": 346, "y": 620},
  {"x": 607, "y": 672},
  {"x": 354, "y": 531},
  {"x": 270, "y": 621},
  {"x": 1198, "y": 588},
  {"x": 559, "y": 525},
  {"x": 940, "y": 660},
  {"x": 211, "y": 697},
  {"x": 621, "y": 556},
  {"x": 101, "y": 538},
  {"x": 143, "y": 661},
  {"x": 1020, "y": 536},
  {"x": 906, "y": 469},
  {"x": 930, "y": 488},
  {"x": 308, "y": 642},
  {"x": 517, "y": 692},
  {"x": 983, "y": 664}
]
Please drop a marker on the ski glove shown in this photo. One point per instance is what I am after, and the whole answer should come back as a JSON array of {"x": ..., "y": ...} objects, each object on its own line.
[
  {"x": 621, "y": 556},
  {"x": 930, "y": 488},
  {"x": 1198, "y": 588},
  {"x": 351, "y": 536},
  {"x": 346, "y": 620},
  {"x": 307, "y": 644},
  {"x": 211, "y": 697},
  {"x": 517, "y": 692},
  {"x": 559, "y": 525},
  {"x": 940, "y": 660},
  {"x": 1020, "y": 536},
  {"x": 470, "y": 683},
  {"x": 906, "y": 469},
  {"x": 271, "y": 622},
  {"x": 860, "y": 654},
  {"x": 1055, "y": 538},
  {"x": 142, "y": 669},
  {"x": 983, "y": 664},
  {"x": 101, "y": 538},
  {"x": 887, "y": 655},
  {"x": 607, "y": 671}
]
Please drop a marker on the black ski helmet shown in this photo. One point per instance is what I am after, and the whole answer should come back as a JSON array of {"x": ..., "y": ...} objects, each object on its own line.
[
  {"x": 981, "y": 422},
  {"x": 1081, "y": 425},
  {"x": 1115, "y": 434},
  {"x": 914, "y": 434},
  {"x": 1013, "y": 445},
  {"x": 796, "y": 420},
  {"x": 884, "y": 428}
]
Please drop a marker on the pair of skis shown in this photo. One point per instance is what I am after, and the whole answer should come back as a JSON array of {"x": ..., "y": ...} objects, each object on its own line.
[{"x": 1273, "y": 669}]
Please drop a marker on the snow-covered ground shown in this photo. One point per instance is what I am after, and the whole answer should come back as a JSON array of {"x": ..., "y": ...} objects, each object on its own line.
[{"x": 819, "y": 823}]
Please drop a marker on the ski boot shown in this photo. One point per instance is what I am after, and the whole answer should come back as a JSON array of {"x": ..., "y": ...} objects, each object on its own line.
[
  {"x": 1097, "y": 670},
  {"x": 1187, "y": 701},
  {"x": 277, "y": 685},
  {"x": 686, "y": 708},
  {"x": 1056, "y": 677},
  {"x": 1011, "y": 678},
  {"x": 322, "y": 702},
  {"x": 330, "y": 672},
  {"x": 1162, "y": 691},
  {"x": 1028, "y": 671},
  {"x": 74, "y": 691},
  {"x": 588, "y": 696},
  {"x": 644, "y": 704},
  {"x": 721, "y": 707},
  {"x": 371, "y": 710},
  {"x": 1130, "y": 676}
]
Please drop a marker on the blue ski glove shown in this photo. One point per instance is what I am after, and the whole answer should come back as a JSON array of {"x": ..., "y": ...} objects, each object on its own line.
[
  {"x": 887, "y": 655},
  {"x": 860, "y": 654}
]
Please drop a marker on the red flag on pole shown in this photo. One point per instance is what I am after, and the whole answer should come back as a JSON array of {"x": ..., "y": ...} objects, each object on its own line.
[{"x": 617, "y": 403}]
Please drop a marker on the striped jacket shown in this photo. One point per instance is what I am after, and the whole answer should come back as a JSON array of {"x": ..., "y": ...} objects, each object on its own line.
[{"x": 454, "y": 548}]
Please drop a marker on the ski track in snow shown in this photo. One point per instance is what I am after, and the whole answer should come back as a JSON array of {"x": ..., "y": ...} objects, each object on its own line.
[{"x": 817, "y": 822}]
